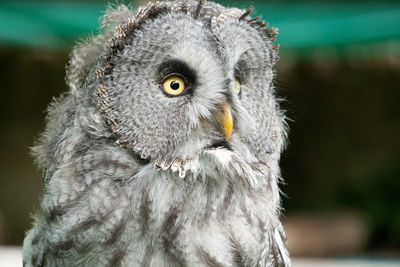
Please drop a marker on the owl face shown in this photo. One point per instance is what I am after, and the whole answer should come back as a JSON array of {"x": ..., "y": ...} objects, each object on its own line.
[{"x": 179, "y": 84}]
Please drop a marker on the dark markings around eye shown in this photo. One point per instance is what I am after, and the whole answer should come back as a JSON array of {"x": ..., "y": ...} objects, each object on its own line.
[
  {"x": 240, "y": 71},
  {"x": 174, "y": 66}
]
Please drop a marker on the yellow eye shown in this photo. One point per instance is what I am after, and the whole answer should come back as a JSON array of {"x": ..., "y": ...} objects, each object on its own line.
[
  {"x": 237, "y": 83},
  {"x": 174, "y": 85}
]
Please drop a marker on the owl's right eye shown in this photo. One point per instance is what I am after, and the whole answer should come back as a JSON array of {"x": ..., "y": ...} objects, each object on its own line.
[
  {"x": 237, "y": 84},
  {"x": 173, "y": 85}
]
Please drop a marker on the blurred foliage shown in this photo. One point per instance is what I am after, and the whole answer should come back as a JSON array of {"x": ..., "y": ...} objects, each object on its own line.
[
  {"x": 344, "y": 150},
  {"x": 29, "y": 80},
  {"x": 378, "y": 198}
]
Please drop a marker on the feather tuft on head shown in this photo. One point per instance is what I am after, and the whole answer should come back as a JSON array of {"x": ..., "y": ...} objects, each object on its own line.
[{"x": 200, "y": 5}]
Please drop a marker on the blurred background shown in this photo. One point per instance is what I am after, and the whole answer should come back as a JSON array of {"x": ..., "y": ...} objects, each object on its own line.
[{"x": 339, "y": 74}]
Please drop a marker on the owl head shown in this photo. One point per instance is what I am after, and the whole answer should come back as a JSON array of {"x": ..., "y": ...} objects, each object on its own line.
[{"x": 173, "y": 80}]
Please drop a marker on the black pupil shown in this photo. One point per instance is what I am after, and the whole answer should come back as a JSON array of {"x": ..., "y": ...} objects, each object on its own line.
[{"x": 174, "y": 85}]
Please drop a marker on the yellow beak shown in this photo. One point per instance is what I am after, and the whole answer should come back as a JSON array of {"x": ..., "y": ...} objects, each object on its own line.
[{"x": 225, "y": 120}]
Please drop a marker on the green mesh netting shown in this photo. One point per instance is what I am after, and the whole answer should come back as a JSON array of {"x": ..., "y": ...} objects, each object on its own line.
[{"x": 305, "y": 25}]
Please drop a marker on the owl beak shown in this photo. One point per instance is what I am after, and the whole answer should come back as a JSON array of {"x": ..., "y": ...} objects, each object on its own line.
[{"x": 225, "y": 120}]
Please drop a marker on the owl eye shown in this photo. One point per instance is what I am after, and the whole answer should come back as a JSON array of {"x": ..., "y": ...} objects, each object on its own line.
[
  {"x": 173, "y": 85},
  {"x": 237, "y": 83}
]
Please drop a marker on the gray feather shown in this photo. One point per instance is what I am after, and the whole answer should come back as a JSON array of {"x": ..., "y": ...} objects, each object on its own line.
[{"x": 135, "y": 177}]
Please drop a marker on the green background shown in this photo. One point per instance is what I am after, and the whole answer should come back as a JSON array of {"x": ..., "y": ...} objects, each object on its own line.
[{"x": 302, "y": 25}]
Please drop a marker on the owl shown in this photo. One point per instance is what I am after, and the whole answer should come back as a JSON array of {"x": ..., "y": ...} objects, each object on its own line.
[{"x": 165, "y": 149}]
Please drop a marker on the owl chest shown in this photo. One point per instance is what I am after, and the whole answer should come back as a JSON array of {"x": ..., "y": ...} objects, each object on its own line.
[
  {"x": 194, "y": 227},
  {"x": 161, "y": 223}
]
